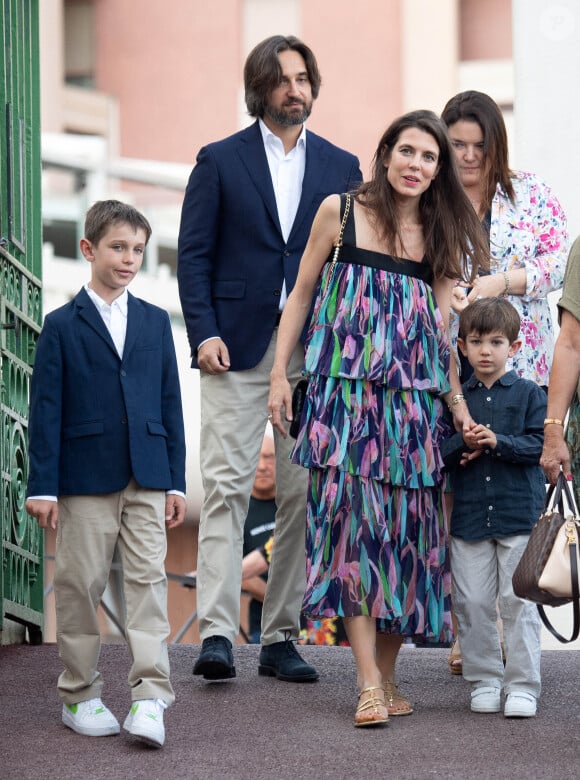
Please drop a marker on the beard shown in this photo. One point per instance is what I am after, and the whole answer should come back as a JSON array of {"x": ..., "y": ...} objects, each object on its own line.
[{"x": 290, "y": 114}]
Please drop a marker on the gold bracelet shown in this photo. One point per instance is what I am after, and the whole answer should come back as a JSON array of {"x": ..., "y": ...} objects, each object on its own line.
[
  {"x": 506, "y": 278},
  {"x": 455, "y": 399},
  {"x": 553, "y": 421}
]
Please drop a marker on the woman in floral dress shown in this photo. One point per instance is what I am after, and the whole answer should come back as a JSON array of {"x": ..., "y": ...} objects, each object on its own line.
[
  {"x": 523, "y": 222},
  {"x": 378, "y": 363}
]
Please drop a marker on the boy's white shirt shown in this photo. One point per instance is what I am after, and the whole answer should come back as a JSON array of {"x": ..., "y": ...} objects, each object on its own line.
[{"x": 114, "y": 315}]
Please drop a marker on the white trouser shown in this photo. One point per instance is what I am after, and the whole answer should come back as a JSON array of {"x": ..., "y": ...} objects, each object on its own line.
[{"x": 482, "y": 578}]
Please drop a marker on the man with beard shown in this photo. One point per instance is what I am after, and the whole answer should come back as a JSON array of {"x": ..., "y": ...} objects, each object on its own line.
[{"x": 246, "y": 217}]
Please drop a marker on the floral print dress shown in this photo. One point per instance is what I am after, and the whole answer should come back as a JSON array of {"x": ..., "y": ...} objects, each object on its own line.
[
  {"x": 529, "y": 233},
  {"x": 377, "y": 357}
]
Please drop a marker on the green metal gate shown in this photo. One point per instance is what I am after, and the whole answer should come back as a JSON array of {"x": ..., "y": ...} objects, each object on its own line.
[{"x": 21, "y": 575}]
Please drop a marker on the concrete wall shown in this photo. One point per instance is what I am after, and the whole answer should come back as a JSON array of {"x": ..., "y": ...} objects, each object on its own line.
[{"x": 547, "y": 109}]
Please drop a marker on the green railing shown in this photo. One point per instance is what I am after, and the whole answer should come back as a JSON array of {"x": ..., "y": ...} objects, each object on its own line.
[{"x": 22, "y": 543}]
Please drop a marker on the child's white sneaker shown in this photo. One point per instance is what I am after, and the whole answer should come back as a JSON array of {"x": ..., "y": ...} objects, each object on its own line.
[
  {"x": 90, "y": 718},
  {"x": 485, "y": 699},
  {"x": 520, "y": 705},
  {"x": 145, "y": 720}
]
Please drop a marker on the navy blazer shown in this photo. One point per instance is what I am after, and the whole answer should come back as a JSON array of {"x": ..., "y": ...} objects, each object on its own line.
[
  {"x": 97, "y": 420},
  {"x": 232, "y": 258}
]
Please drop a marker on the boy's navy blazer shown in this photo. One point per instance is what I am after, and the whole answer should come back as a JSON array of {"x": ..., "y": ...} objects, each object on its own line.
[
  {"x": 232, "y": 257},
  {"x": 97, "y": 420}
]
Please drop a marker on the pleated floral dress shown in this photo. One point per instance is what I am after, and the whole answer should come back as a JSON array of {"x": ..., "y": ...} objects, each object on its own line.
[{"x": 377, "y": 358}]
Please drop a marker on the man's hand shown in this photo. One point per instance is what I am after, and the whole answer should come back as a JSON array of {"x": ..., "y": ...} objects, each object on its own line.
[
  {"x": 46, "y": 512},
  {"x": 213, "y": 357},
  {"x": 174, "y": 510}
]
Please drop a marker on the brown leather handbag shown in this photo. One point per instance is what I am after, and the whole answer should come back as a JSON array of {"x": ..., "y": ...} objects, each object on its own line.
[{"x": 547, "y": 573}]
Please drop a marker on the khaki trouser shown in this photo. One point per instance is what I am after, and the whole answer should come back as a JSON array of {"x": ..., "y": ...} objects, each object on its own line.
[
  {"x": 89, "y": 527},
  {"x": 234, "y": 412}
]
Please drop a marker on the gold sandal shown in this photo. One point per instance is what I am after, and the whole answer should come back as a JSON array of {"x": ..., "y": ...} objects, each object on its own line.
[
  {"x": 454, "y": 659},
  {"x": 369, "y": 710},
  {"x": 397, "y": 704}
]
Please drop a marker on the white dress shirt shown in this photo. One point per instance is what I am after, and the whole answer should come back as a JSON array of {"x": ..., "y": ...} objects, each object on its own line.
[
  {"x": 114, "y": 316},
  {"x": 287, "y": 173}
]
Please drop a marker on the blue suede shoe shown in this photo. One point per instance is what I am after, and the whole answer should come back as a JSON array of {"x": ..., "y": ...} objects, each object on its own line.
[{"x": 283, "y": 661}]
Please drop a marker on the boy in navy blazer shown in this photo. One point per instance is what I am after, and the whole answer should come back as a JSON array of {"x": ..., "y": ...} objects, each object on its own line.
[
  {"x": 246, "y": 217},
  {"x": 107, "y": 468}
]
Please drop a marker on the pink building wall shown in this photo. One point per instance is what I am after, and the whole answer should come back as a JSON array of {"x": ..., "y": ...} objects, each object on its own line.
[
  {"x": 174, "y": 72},
  {"x": 177, "y": 73},
  {"x": 359, "y": 55},
  {"x": 486, "y": 29},
  {"x": 175, "y": 67}
]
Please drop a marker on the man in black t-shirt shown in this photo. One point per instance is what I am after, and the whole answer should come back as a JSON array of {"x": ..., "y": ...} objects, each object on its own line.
[{"x": 258, "y": 529}]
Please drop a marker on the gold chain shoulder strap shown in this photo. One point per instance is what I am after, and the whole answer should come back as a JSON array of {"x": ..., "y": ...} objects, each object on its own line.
[{"x": 342, "y": 226}]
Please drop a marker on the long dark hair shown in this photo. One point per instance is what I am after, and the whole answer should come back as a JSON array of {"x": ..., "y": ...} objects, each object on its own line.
[
  {"x": 472, "y": 106},
  {"x": 262, "y": 71},
  {"x": 455, "y": 246}
]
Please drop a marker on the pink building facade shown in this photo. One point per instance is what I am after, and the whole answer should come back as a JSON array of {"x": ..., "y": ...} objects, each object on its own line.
[{"x": 169, "y": 74}]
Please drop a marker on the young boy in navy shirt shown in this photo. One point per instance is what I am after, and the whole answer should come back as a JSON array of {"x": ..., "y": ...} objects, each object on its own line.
[{"x": 499, "y": 493}]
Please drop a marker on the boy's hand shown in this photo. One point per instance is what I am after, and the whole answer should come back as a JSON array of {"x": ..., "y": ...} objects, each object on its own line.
[
  {"x": 46, "y": 512},
  {"x": 174, "y": 510},
  {"x": 467, "y": 457},
  {"x": 480, "y": 437}
]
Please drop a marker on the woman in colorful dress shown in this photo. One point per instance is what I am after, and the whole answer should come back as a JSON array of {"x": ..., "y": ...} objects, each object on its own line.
[
  {"x": 528, "y": 242},
  {"x": 378, "y": 362}
]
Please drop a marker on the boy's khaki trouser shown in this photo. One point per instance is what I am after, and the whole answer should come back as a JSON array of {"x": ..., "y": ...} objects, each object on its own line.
[{"x": 88, "y": 529}]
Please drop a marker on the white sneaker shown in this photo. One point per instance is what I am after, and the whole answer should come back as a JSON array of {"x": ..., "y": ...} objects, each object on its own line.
[
  {"x": 485, "y": 699},
  {"x": 520, "y": 705},
  {"x": 145, "y": 720},
  {"x": 90, "y": 718}
]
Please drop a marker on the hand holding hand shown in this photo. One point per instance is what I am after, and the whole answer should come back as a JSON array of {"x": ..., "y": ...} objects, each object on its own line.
[
  {"x": 488, "y": 286},
  {"x": 480, "y": 437}
]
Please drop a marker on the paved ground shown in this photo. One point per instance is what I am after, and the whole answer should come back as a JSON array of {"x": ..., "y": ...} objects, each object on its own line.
[{"x": 261, "y": 729}]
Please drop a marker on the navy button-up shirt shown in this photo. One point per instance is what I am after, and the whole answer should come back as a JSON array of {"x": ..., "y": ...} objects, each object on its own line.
[{"x": 502, "y": 492}]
